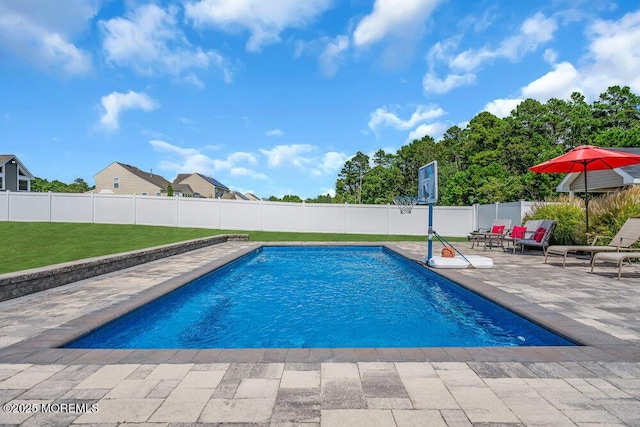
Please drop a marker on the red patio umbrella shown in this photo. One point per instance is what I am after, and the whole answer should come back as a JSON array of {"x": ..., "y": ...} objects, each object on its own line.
[{"x": 587, "y": 158}]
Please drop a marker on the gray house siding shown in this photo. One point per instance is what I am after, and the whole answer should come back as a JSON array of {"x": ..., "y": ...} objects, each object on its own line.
[{"x": 11, "y": 176}]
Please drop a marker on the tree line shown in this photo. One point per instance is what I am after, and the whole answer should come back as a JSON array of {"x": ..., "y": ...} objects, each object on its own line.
[
  {"x": 487, "y": 161},
  {"x": 77, "y": 186}
]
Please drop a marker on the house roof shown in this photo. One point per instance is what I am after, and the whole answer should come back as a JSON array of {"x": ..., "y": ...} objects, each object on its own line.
[
  {"x": 633, "y": 170},
  {"x": 183, "y": 188},
  {"x": 213, "y": 181},
  {"x": 234, "y": 195},
  {"x": 4, "y": 158},
  {"x": 181, "y": 177},
  {"x": 154, "y": 179},
  {"x": 252, "y": 196},
  {"x": 630, "y": 174}
]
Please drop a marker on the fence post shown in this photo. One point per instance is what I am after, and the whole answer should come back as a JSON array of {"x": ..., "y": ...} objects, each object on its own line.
[
  {"x": 177, "y": 210},
  {"x": 476, "y": 216},
  {"x": 135, "y": 209},
  {"x": 261, "y": 215},
  {"x": 50, "y": 207},
  {"x": 388, "y": 217},
  {"x": 304, "y": 216},
  {"x": 346, "y": 214},
  {"x": 8, "y": 203}
]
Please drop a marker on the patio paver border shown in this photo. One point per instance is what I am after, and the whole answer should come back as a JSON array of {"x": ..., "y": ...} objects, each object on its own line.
[{"x": 598, "y": 346}]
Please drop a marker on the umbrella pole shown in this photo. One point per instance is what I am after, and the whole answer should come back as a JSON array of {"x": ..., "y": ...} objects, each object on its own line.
[{"x": 586, "y": 196}]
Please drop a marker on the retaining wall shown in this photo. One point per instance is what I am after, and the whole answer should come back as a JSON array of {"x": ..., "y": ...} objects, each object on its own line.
[{"x": 25, "y": 282}]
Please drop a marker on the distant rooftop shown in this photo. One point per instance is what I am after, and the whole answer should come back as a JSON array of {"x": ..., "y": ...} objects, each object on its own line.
[{"x": 155, "y": 179}]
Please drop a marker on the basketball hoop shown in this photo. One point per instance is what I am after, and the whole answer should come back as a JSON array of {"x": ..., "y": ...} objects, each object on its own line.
[{"x": 405, "y": 203}]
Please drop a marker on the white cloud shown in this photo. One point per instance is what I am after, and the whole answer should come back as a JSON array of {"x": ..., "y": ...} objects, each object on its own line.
[
  {"x": 614, "y": 55},
  {"x": 165, "y": 146},
  {"x": 115, "y": 103},
  {"x": 398, "y": 18},
  {"x": 434, "y": 130},
  {"x": 288, "y": 154},
  {"x": 551, "y": 56},
  {"x": 330, "y": 163},
  {"x": 192, "y": 160},
  {"x": 534, "y": 32},
  {"x": 559, "y": 83},
  {"x": 250, "y": 173},
  {"x": 265, "y": 20},
  {"x": 502, "y": 107},
  {"x": 149, "y": 41},
  {"x": 42, "y": 34},
  {"x": 333, "y": 55},
  {"x": 274, "y": 132},
  {"x": 382, "y": 117},
  {"x": 613, "y": 58},
  {"x": 432, "y": 84}
]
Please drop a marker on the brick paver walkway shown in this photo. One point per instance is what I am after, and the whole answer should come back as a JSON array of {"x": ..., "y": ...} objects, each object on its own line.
[{"x": 597, "y": 385}]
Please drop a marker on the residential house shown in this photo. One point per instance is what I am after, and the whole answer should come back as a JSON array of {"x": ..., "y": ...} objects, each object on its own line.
[
  {"x": 202, "y": 185},
  {"x": 252, "y": 196},
  {"x": 235, "y": 195},
  {"x": 603, "y": 181},
  {"x": 119, "y": 178},
  {"x": 181, "y": 190},
  {"x": 13, "y": 175}
]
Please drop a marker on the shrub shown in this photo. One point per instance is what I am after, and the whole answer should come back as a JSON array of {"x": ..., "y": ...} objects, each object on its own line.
[
  {"x": 569, "y": 214},
  {"x": 608, "y": 213}
]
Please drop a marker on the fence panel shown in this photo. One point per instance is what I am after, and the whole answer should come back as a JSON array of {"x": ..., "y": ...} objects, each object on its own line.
[
  {"x": 199, "y": 213},
  {"x": 250, "y": 215},
  {"x": 70, "y": 207},
  {"x": 114, "y": 209},
  {"x": 455, "y": 221},
  {"x": 278, "y": 216},
  {"x": 4, "y": 205},
  {"x": 325, "y": 218},
  {"x": 151, "y": 210},
  {"x": 514, "y": 211},
  {"x": 367, "y": 219},
  {"x": 29, "y": 207},
  {"x": 240, "y": 215},
  {"x": 413, "y": 224}
]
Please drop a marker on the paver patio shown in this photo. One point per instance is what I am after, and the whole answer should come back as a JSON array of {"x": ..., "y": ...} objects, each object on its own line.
[{"x": 597, "y": 384}]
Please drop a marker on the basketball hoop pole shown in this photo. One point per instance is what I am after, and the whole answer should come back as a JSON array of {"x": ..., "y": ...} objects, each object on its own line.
[{"x": 430, "y": 231}]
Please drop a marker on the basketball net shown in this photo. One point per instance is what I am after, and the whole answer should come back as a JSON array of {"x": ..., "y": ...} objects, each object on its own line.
[{"x": 405, "y": 203}]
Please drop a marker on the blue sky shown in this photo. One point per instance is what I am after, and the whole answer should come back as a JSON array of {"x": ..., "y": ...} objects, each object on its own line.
[{"x": 272, "y": 97}]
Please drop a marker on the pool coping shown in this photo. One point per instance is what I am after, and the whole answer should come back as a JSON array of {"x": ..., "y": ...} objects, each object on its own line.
[{"x": 595, "y": 345}]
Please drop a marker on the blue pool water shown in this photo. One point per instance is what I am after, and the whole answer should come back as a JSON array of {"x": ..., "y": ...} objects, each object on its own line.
[{"x": 297, "y": 297}]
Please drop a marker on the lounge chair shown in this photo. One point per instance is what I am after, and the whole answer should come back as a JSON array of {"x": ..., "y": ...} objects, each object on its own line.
[
  {"x": 488, "y": 235},
  {"x": 616, "y": 257},
  {"x": 628, "y": 234},
  {"x": 540, "y": 238},
  {"x": 521, "y": 232}
]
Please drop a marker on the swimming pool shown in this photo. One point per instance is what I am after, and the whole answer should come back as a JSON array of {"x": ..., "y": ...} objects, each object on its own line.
[{"x": 322, "y": 297}]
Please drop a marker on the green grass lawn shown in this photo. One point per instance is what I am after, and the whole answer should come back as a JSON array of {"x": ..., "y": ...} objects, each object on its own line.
[{"x": 36, "y": 244}]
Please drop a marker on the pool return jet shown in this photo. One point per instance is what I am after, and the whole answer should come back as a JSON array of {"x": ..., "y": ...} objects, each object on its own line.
[{"x": 428, "y": 195}]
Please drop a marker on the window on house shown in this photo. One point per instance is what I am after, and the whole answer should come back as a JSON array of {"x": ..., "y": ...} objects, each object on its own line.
[
  {"x": 145, "y": 193},
  {"x": 1, "y": 183},
  {"x": 21, "y": 172},
  {"x": 116, "y": 182},
  {"x": 158, "y": 194},
  {"x": 23, "y": 185}
]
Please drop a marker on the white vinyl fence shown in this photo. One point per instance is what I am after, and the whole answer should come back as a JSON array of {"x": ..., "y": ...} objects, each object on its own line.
[{"x": 249, "y": 215}]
